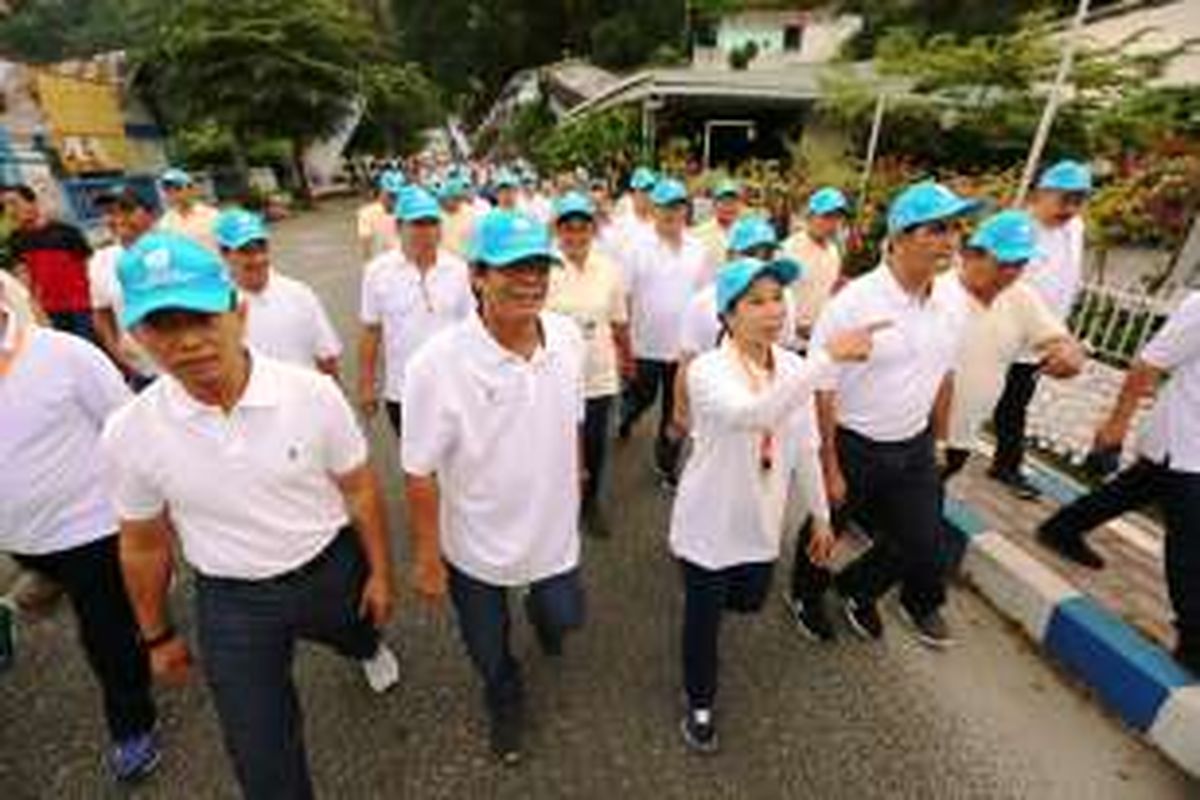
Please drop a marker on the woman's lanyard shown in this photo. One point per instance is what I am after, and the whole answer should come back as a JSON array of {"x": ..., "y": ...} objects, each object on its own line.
[{"x": 758, "y": 378}]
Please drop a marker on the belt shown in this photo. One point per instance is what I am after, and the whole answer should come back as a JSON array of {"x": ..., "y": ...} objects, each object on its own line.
[{"x": 292, "y": 575}]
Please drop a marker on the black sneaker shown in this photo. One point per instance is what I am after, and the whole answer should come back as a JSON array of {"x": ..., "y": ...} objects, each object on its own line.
[
  {"x": 1016, "y": 483},
  {"x": 810, "y": 618},
  {"x": 863, "y": 617},
  {"x": 1072, "y": 548},
  {"x": 699, "y": 731},
  {"x": 931, "y": 629},
  {"x": 507, "y": 724}
]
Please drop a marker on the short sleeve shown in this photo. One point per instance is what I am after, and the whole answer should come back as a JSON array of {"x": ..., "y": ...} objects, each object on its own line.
[
  {"x": 831, "y": 320},
  {"x": 100, "y": 277},
  {"x": 425, "y": 437},
  {"x": 343, "y": 444},
  {"x": 1179, "y": 340},
  {"x": 327, "y": 344},
  {"x": 132, "y": 487},
  {"x": 99, "y": 389}
]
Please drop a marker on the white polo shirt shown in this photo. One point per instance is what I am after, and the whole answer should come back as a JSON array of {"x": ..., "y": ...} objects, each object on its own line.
[
  {"x": 728, "y": 510},
  {"x": 500, "y": 433},
  {"x": 594, "y": 297},
  {"x": 411, "y": 307},
  {"x": 287, "y": 321},
  {"x": 890, "y": 396},
  {"x": 700, "y": 328},
  {"x": 715, "y": 240},
  {"x": 993, "y": 337},
  {"x": 250, "y": 493},
  {"x": 54, "y": 397},
  {"x": 1058, "y": 274},
  {"x": 822, "y": 263},
  {"x": 1171, "y": 434},
  {"x": 662, "y": 280}
]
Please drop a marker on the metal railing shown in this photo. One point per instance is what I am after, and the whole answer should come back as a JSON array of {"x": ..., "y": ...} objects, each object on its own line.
[{"x": 1116, "y": 321}]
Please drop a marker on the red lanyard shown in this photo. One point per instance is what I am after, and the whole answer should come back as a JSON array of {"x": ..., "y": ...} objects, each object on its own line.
[{"x": 758, "y": 378}]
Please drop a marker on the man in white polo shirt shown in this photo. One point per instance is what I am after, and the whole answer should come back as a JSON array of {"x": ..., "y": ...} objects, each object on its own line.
[
  {"x": 260, "y": 470},
  {"x": 878, "y": 427},
  {"x": 1057, "y": 275},
  {"x": 1166, "y": 474},
  {"x": 492, "y": 409},
  {"x": 55, "y": 392},
  {"x": 713, "y": 233},
  {"x": 186, "y": 213},
  {"x": 285, "y": 318},
  {"x": 663, "y": 270},
  {"x": 816, "y": 246},
  {"x": 408, "y": 295}
]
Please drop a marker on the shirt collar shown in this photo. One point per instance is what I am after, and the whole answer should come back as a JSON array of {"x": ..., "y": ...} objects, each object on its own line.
[
  {"x": 897, "y": 293},
  {"x": 491, "y": 352},
  {"x": 262, "y": 391}
]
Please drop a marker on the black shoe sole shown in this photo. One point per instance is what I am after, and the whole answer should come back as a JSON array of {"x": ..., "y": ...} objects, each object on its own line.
[
  {"x": 859, "y": 629},
  {"x": 1065, "y": 551},
  {"x": 797, "y": 619}
]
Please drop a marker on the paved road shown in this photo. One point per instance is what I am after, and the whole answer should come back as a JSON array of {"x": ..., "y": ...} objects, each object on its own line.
[{"x": 892, "y": 720}]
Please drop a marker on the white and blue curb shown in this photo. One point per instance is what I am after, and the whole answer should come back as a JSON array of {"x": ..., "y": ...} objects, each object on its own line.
[{"x": 1132, "y": 676}]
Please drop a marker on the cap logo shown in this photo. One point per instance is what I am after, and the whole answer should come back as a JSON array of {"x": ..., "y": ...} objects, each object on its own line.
[{"x": 158, "y": 268}]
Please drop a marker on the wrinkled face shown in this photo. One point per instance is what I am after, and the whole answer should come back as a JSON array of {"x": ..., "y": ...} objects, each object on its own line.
[
  {"x": 671, "y": 219},
  {"x": 199, "y": 350},
  {"x": 824, "y": 226},
  {"x": 575, "y": 234},
  {"x": 929, "y": 248},
  {"x": 986, "y": 277},
  {"x": 727, "y": 210},
  {"x": 421, "y": 236},
  {"x": 1054, "y": 208},
  {"x": 515, "y": 293},
  {"x": 758, "y": 315},
  {"x": 250, "y": 265}
]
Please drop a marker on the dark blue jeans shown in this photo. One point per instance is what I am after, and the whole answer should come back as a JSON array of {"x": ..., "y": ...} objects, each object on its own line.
[
  {"x": 708, "y": 594},
  {"x": 555, "y": 605},
  {"x": 248, "y": 632}
]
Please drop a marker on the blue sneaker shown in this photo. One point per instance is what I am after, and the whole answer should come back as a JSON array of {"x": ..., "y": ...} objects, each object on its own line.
[{"x": 134, "y": 758}]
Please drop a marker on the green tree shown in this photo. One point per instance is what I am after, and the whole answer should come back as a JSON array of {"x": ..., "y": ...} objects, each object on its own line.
[
  {"x": 400, "y": 103},
  {"x": 259, "y": 69}
]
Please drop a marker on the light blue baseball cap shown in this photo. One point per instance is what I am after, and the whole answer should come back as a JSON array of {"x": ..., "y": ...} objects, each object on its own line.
[
  {"x": 752, "y": 230},
  {"x": 236, "y": 227},
  {"x": 927, "y": 201},
  {"x": 1008, "y": 236},
  {"x": 169, "y": 271},
  {"x": 504, "y": 238},
  {"x": 726, "y": 187},
  {"x": 575, "y": 204},
  {"x": 452, "y": 188},
  {"x": 643, "y": 179},
  {"x": 827, "y": 200},
  {"x": 506, "y": 179},
  {"x": 174, "y": 176},
  {"x": 416, "y": 204},
  {"x": 391, "y": 181},
  {"x": 737, "y": 276},
  {"x": 668, "y": 191},
  {"x": 1067, "y": 176}
]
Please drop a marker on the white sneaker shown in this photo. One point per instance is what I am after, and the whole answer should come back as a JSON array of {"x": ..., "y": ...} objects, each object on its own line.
[{"x": 382, "y": 670}]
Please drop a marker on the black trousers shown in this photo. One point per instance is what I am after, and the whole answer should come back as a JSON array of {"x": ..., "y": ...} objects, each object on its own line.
[
  {"x": 248, "y": 631},
  {"x": 596, "y": 423},
  {"x": 1010, "y": 415},
  {"x": 1177, "y": 494},
  {"x": 651, "y": 377},
  {"x": 91, "y": 576},
  {"x": 894, "y": 493},
  {"x": 708, "y": 594}
]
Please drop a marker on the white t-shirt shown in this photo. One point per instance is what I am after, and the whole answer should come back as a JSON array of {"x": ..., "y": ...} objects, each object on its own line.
[
  {"x": 662, "y": 281},
  {"x": 250, "y": 493},
  {"x": 287, "y": 321},
  {"x": 728, "y": 509},
  {"x": 890, "y": 396},
  {"x": 1171, "y": 434},
  {"x": 54, "y": 398},
  {"x": 411, "y": 307},
  {"x": 500, "y": 433},
  {"x": 595, "y": 298},
  {"x": 106, "y": 293},
  {"x": 993, "y": 337}
]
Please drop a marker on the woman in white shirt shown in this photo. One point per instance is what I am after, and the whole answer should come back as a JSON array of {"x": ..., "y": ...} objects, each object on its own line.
[{"x": 753, "y": 427}]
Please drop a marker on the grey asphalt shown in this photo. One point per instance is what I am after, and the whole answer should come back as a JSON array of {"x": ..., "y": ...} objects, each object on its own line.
[{"x": 987, "y": 719}]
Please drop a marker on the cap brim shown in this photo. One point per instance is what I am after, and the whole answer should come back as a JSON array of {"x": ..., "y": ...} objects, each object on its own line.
[
  {"x": 515, "y": 257},
  {"x": 242, "y": 241},
  {"x": 210, "y": 298},
  {"x": 426, "y": 217}
]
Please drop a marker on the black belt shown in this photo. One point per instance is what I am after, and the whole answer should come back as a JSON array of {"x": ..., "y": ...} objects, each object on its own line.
[
  {"x": 899, "y": 444},
  {"x": 292, "y": 575}
]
